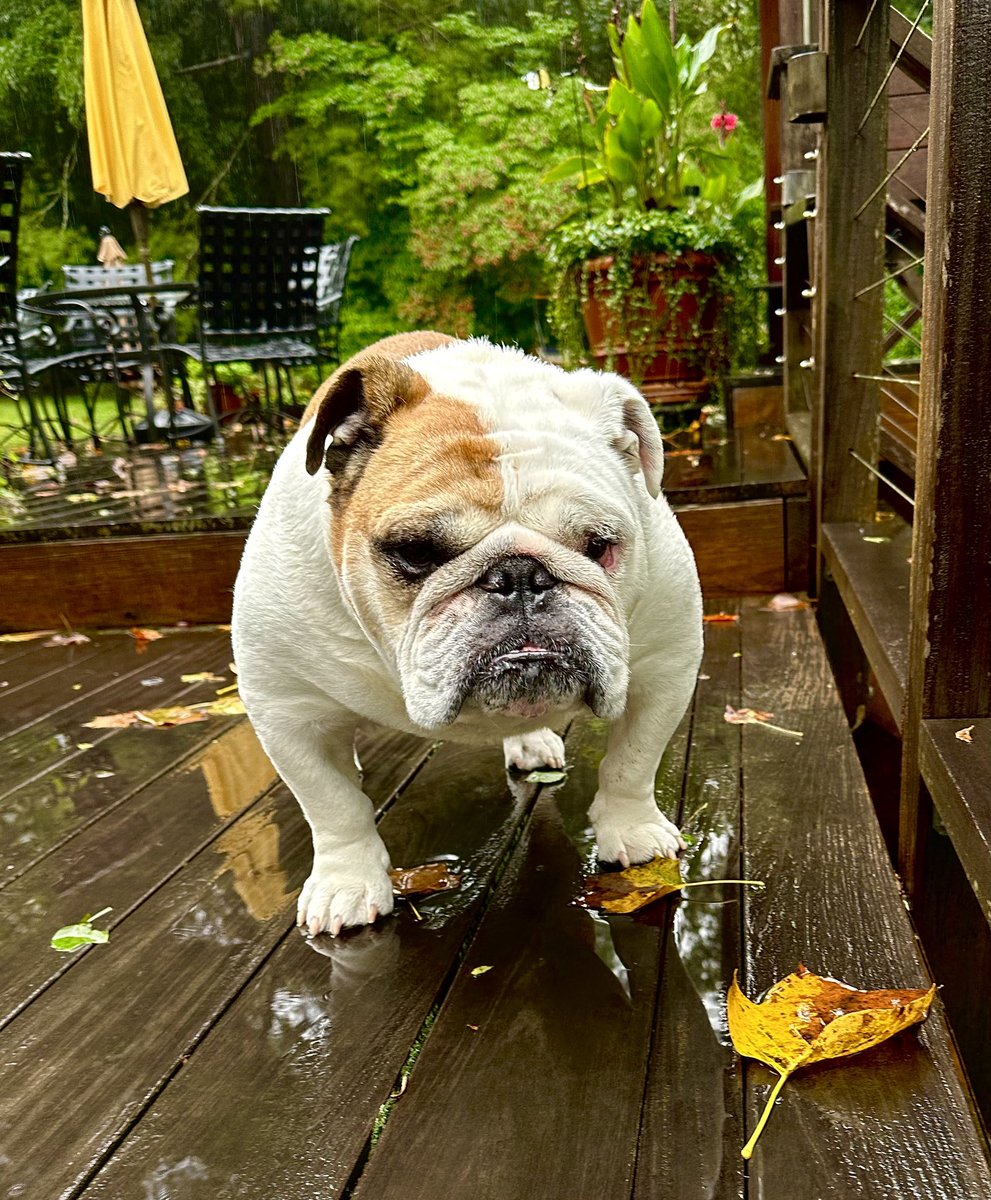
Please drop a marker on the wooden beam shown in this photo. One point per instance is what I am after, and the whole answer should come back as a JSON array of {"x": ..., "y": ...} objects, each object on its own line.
[
  {"x": 849, "y": 309},
  {"x": 950, "y": 634}
]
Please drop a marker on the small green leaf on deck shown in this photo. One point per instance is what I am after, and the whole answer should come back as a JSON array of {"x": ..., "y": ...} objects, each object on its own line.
[
  {"x": 877, "y": 541},
  {"x": 480, "y": 970},
  {"x": 546, "y": 776},
  {"x": 74, "y": 937}
]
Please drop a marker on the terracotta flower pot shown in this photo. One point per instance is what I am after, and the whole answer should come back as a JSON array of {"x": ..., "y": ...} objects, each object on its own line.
[{"x": 665, "y": 336}]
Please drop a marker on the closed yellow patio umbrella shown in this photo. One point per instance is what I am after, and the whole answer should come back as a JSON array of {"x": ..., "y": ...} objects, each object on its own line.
[{"x": 132, "y": 147}]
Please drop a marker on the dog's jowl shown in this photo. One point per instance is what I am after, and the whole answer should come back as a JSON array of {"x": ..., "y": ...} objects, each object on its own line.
[{"x": 465, "y": 542}]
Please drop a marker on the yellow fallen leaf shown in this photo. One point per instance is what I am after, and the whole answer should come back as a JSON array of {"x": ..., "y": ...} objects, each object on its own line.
[
  {"x": 965, "y": 735},
  {"x": 202, "y": 677},
  {"x": 84, "y": 745},
  {"x": 178, "y": 714},
  {"x": 27, "y": 637},
  {"x": 807, "y": 1018},
  {"x": 634, "y": 888},
  {"x": 225, "y": 706}
]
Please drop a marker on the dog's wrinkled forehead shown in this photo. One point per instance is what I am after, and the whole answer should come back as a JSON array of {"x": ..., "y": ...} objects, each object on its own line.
[{"x": 472, "y": 428}]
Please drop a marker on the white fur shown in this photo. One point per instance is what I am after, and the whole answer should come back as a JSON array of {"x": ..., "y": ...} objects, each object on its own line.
[{"x": 316, "y": 653}]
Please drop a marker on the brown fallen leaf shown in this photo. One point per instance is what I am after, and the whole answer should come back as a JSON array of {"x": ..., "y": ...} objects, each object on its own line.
[
  {"x": 143, "y": 636},
  {"x": 807, "y": 1018},
  {"x": 720, "y": 618},
  {"x": 756, "y": 716},
  {"x": 784, "y": 602},
  {"x": 634, "y": 888},
  {"x": 423, "y": 880},
  {"x": 965, "y": 735}
]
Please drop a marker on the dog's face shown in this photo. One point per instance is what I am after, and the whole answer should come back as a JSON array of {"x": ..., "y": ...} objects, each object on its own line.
[{"x": 486, "y": 513}]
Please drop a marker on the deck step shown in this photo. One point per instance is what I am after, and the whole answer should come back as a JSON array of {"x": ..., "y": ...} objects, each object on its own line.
[{"x": 870, "y": 566}]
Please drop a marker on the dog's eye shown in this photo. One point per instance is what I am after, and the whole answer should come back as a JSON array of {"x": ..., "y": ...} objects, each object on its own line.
[
  {"x": 598, "y": 546},
  {"x": 416, "y": 558}
]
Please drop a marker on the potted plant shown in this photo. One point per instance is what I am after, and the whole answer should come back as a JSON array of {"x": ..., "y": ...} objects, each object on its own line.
[{"x": 651, "y": 264}]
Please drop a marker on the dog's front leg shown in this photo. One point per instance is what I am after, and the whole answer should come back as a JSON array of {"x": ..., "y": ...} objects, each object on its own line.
[
  {"x": 629, "y": 827},
  {"x": 349, "y": 883}
]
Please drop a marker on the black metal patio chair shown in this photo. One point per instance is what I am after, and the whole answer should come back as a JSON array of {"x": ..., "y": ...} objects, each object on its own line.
[
  {"x": 25, "y": 354},
  {"x": 332, "y": 277},
  {"x": 257, "y": 296}
]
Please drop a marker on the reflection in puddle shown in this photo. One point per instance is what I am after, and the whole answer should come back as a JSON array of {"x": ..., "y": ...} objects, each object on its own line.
[
  {"x": 701, "y": 931},
  {"x": 236, "y": 770},
  {"x": 606, "y": 950},
  {"x": 250, "y": 850}
]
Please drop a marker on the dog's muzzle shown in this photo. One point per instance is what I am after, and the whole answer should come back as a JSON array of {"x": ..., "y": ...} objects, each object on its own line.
[{"x": 534, "y": 663}]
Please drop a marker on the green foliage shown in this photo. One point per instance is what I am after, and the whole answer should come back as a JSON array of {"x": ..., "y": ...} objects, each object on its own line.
[
  {"x": 411, "y": 122},
  {"x": 665, "y": 183},
  {"x": 433, "y": 156}
]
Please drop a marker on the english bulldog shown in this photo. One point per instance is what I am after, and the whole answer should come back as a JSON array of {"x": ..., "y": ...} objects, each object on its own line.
[{"x": 464, "y": 542}]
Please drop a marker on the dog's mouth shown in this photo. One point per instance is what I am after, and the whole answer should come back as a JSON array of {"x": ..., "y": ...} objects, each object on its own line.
[{"x": 529, "y": 680}]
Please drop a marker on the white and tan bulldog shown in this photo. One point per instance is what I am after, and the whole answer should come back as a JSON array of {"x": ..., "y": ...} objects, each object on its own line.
[{"x": 466, "y": 542}]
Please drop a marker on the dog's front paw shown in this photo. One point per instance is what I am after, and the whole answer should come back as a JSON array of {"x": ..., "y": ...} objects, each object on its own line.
[
  {"x": 350, "y": 886},
  {"x": 526, "y": 752},
  {"x": 633, "y": 831}
]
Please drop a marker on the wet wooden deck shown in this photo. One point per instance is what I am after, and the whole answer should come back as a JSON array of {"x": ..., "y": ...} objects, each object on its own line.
[{"x": 209, "y": 1051}]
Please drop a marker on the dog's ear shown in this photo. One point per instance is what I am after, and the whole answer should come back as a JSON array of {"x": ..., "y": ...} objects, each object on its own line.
[
  {"x": 640, "y": 442},
  {"x": 351, "y": 407}
]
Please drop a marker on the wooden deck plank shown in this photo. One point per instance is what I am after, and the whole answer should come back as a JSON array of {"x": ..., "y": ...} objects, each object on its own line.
[
  {"x": 50, "y": 741},
  {"x": 33, "y": 661},
  {"x": 959, "y": 780},
  {"x": 44, "y": 814},
  {"x": 110, "y": 661},
  {"x": 113, "y": 1031},
  {"x": 873, "y": 580},
  {"x": 329, "y": 1036},
  {"x": 685, "y": 1150},
  {"x": 895, "y": 1121},
  {"x": 169, "y": 578},
  {"x": 114, "y": 862},
  {"x": 532, "y": 1079}
]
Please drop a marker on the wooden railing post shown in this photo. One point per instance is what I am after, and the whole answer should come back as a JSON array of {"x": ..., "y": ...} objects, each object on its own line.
[
  {"x": 849, "y": 294},
  {"x": 950, "y": 627}
]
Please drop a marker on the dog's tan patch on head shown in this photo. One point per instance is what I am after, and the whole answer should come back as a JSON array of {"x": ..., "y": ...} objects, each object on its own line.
[{"x": 436, "y": 456}]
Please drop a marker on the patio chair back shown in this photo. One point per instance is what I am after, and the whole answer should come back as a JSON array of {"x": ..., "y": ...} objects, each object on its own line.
[
  {"x": 11, "y": 180},
  {"x": 258, "y": 271},
  {"x": 332, "y": 275},
  {"x": 79, "y": 276}
]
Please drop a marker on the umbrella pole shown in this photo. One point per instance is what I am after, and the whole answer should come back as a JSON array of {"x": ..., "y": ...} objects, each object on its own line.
[{"x": 139, "y": 222}]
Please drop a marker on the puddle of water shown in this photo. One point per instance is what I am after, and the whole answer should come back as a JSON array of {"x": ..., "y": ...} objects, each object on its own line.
[{"x": 236, "y": 770}]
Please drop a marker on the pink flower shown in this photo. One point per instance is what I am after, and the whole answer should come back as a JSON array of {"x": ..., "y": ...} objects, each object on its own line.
[{"x": 724, "y": 123}]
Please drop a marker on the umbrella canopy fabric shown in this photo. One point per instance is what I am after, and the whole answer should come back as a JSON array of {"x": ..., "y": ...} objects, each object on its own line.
[{"x": 132, "y": 146}]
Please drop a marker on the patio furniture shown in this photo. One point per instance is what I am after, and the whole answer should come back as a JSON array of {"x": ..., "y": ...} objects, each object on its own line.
[
  {"x": 110, "y": 335},
  {"x": 25, "y": 355},
  {"x": 258, "y": 294},
  {"x": 332, "y": 275},
  {"x": 89, "y": 275}
]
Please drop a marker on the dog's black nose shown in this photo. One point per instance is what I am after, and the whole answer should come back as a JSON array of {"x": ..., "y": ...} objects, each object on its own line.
[{"x": 517, "y": 579}]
